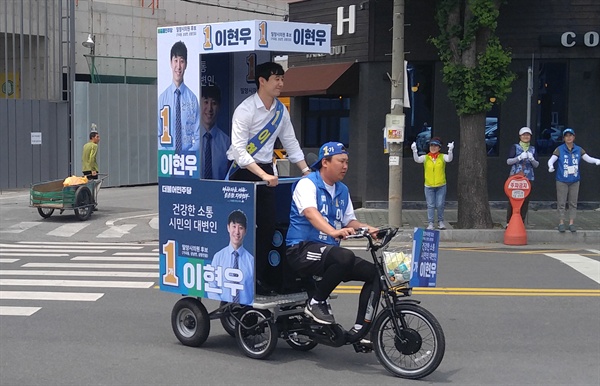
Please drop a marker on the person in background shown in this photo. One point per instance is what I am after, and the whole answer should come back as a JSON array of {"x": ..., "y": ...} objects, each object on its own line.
[
  {"x": 214, "y": 142},
  {"x": 435, "y": 178},
  {"x": 181, "y": 131},
  {"x": 321, "y": 216},
  {"x": 569, "y": 156},
  {"x": 89, "y": 164},
  {"x": 256, "y": 123},
  {"x": 522, "y": 157}
]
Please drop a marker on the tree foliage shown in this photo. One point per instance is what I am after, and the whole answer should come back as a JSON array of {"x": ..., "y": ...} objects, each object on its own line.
[{"x": 476, "y": 68}]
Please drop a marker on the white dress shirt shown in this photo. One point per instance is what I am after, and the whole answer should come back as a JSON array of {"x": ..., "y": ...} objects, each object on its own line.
[{"x": 249, "y": 118}]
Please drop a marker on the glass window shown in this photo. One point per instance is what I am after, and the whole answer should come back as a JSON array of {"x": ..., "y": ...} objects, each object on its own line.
[
  {"x": 551, "y": 106},
  {"x": 491, "y": 131},
  {"x": 418, "y": 117},
  {"x": 327, "y": 119}
]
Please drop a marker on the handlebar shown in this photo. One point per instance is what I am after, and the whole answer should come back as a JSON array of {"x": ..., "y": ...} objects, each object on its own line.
[{"x": 381, "y": 239}]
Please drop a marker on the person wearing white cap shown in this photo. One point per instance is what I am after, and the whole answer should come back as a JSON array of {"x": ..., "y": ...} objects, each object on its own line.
[
  {"x": 523, "y": 159},
  {"x": 568, "y": 177},
  {"x": 435, "y": 178}
]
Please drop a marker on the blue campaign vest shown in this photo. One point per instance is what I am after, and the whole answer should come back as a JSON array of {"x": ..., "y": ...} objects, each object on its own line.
[
  {"x": 332, "y": 209},
  {"x": 568, "y": 164},
  {"x": 524, "y": 166}
]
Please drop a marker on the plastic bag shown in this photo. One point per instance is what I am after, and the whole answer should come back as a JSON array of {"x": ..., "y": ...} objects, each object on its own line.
[
  {"x": 75, "y": 180},
  {"x": 398, "y": 266}
]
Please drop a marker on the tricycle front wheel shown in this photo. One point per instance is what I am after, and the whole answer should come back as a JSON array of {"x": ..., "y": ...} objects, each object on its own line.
[
  {"x": 190, "y": 322},
  {"x": 45, "y": 212}
]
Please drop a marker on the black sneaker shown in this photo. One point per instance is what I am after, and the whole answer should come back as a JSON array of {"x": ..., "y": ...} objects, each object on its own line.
[{"x": 319, "y": 312}]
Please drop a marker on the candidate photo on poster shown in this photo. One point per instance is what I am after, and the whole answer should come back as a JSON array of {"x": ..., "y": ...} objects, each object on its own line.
[
  {"x": 178, "y": 110},
  {"x": 214, "y": 141},
  {"x": 234, "y": 265}
]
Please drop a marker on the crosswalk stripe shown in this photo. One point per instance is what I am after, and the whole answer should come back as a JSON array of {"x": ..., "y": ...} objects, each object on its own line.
[
  {"x": 44, "y": 295},
  {"x": 117, "y": 231},
  {"x": 90, "y": 265},
  {"x": 107, "y": 245},
  {"x": 8, "y": 260},
  {"x": 68, "y": 230},
  {"x": 114, "y": 258},
  {"x": 27, "y": 272},
  {"x": 20, "y": 227},
  {"x": 79, "y": 245},
  {"x": 588, "y": 267},
  {"x": 2, "y": 253},
  {"x": 149, "y": 254},
  {"x": 7, "y": 250},
  {"x": 18, "y": 311},
  {"x": 77, "y": 283},
  {"x": 596, "y": 251},
  {"x": 153, "y": 223}
]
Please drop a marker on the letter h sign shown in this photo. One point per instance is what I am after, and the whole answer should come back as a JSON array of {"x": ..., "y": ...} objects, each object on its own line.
[{"x": 351, "y": 20}]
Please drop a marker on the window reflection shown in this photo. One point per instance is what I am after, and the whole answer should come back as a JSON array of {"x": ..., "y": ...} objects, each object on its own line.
[
  {"x": 551, "y": 106},
  {"x": 327, "y": 119}
]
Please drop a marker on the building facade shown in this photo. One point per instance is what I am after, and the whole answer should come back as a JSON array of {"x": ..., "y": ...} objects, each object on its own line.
[{"x": 555, "y": 48}]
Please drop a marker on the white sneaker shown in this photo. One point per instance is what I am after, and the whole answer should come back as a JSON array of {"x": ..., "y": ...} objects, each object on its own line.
[
  {"x": 430, "y": 227},
  {"x": 441, "y": 225}
]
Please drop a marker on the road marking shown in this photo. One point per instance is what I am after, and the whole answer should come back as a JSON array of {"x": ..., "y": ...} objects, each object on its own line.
[
  {"x": 35, "y": 295},
  {"x": 8, "y": 260},
  {"x": 68, "y": 230},
  {"x": 27, "y": 272},
  {"x": 150, "y": 254},
  {"x": 112, "y": 222},
  {"x": 114, "y": 258},
  {"x": 2, "y": 253},
  {"x": 83, "y": 245},
  {"x": 90, "y": 265},
  {"x": 18, "y": 311},
  {"x": 20, "y": 227},
  {"x": 9, "y": 196},
  {"x": 153, "y": 223},
  {"x": 585, "y": 265},
  {"x": 596, "y": 251},
  {"x": 77, "y": 283},
  {"x": 92, "y": 244},
  {"x": 350, "y": 289},
  {"x": 117, "y": 231},
  {"x": 4, "y": 250}
]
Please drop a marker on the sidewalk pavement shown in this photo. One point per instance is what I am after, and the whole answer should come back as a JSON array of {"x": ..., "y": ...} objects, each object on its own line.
[{"x": 541, "y": 226}]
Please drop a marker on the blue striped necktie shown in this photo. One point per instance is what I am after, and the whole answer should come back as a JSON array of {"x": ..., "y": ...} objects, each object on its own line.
[
  {"x": 236, "y": 262},
  {"x": 178, "y": 133},
  {"x": 208, "y": 157}
]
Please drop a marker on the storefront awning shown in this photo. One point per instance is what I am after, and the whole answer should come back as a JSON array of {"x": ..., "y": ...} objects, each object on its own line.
[{"x": 326, "y": 79}]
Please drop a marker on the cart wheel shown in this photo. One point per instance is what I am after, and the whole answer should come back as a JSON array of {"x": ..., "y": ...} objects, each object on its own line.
[
  {"x": 190, "y": 322},
  {"x": 256, "y": 334},
  {"x": 228, "y": 322},
  {"x": 83, "y": 203},
  {"x": 45, "y": 212}
]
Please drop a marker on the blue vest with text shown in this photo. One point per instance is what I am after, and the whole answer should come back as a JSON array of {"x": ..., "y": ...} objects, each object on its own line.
[
  {"x": 568, "y": 164},
  {"x": 332, "y": 209}
]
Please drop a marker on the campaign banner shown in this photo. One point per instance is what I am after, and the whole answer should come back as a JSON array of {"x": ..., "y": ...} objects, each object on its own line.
[
  {"x": 425, "y": 258},
  {"x": 206, "y": 234}
]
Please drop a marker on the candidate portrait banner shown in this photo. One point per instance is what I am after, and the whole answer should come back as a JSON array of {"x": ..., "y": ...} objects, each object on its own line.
[{"x": 425, "y": 258}]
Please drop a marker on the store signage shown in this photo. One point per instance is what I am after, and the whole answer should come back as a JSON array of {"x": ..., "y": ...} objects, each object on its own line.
[
  {"x": 570, "y": 39},
  {"x": 351, "y": 20}
]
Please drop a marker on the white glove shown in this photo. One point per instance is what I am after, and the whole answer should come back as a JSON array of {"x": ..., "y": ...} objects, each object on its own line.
[
  {"x": 522, "y": 156},
  {"x": 530, "y": 156},
  {"x": 598, "y": 162},
  {"x": 451, "y": 146},
  {"x": 414, "y": 147},
  {"x": 551, "y": 169}
]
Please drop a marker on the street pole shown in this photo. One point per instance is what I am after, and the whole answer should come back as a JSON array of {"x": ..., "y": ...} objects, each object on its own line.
[{"x": 396, "y": 117}]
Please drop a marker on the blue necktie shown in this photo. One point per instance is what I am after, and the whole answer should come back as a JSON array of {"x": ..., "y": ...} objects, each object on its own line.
[
  {"x": 178, "y": 133},
  {"x": 236, "y": 255},
  {"x": 208, "y": 157}
]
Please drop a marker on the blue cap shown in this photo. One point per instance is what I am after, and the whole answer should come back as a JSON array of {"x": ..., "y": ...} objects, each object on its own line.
[
  {"x": 435, "y": 142},
  {"x": 327, "y": 150},
  {"x": 568, "y": 130}
]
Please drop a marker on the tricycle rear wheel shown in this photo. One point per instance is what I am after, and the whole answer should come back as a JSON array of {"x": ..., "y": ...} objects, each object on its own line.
[
  {"x": 256, "y": 334},
  {"x": 45, "y": 212}
]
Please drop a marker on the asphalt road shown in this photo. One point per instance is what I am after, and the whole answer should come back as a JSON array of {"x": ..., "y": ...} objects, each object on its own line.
[{"x": 511, "y": 316}]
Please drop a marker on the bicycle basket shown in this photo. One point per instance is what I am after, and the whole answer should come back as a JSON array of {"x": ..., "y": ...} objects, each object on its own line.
[{"x": 397, "y": 266}]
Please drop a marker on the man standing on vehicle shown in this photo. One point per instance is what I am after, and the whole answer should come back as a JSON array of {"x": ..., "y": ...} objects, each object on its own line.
[
  {"x": 256, "y": 124},
  {"x": 321, "y": 216}
]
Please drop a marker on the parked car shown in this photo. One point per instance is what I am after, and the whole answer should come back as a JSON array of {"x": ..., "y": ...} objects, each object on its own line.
[{"x": 491, "y": 135}]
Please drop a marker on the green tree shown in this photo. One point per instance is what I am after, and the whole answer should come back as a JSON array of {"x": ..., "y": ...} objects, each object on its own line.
[{"x": 476, "y": 68}]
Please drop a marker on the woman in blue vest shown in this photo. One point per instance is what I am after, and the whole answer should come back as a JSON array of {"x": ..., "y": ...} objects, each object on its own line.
[
  {"x": 434, "y": 164},
  {"x": 523, "y": 158},
  {"x": 569, "y": 155}
]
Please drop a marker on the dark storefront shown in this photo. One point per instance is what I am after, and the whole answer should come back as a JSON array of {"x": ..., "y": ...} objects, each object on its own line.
[{"x": 345, "y": 96}]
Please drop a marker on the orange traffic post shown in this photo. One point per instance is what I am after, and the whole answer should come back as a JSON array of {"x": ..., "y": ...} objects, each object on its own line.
[{"x": 517, "y": 188}]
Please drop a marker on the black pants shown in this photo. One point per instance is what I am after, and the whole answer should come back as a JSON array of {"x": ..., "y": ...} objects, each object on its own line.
[
  {"x": 265, "y": 219},
  {"x": 88, "y": 174},
  {"x": 336, "y": 264}
]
